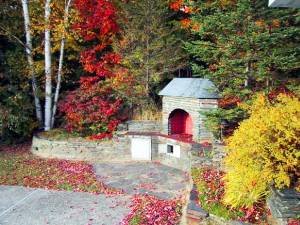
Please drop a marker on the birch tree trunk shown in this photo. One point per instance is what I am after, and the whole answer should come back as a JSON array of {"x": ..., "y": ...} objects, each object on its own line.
[
  {"x": 48, "y": 72},
  {"x": 147, "y": 51},
  {"x": 28, "y": 47},
  {"x": 248, "y": 74},
  {"x": 61, "y": 60}
]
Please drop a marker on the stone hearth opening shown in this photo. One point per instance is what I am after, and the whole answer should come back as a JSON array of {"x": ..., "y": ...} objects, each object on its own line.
[{"x": 180, "y": 123}]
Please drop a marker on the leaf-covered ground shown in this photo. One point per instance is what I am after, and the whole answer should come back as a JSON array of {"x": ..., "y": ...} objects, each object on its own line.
[
  {"x": 19, "y": 167},
  {"x": 149, "y": 210}
]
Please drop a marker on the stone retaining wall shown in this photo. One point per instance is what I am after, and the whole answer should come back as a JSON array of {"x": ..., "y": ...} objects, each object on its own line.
[
  {"x": 208, "y": 156},
  {"x": 144, "y": 126},
  {"x": 115, "y": 150},
  {"x": 119, "y": 150}
]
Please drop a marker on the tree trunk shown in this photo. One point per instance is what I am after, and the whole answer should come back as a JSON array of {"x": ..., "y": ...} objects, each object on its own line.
[
  {"x": 60, "y": 64},
  {"x": 48, "y": 72},
  {"x": 28, "y": 47},
  {"x": 147, "y": 52},
  {"x": 147, "y": 68},
  {"x": 248, "y": 74}
]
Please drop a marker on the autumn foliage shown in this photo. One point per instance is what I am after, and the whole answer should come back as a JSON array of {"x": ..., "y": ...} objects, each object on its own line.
[
  {"x": 19, "y": 167},
  {"x": 92, "y": 109},
  {"x": 150, "y": 210},
  {"x": 176, "y": 5},
  {"x": 264, "y": 150},
  {"x": 90, "y": 114},
  {"x": 210, "y": 187}
]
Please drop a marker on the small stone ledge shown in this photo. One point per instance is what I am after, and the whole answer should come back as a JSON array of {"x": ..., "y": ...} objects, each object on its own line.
[
  {"x": 284, "y": 205},
  {"x": 144, "y": 126}
]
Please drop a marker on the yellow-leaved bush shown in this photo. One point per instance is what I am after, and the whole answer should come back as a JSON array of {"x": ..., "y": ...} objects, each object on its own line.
[{"x": 263, "y": 151}]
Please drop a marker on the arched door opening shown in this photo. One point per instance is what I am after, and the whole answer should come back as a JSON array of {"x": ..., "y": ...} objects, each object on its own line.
[{"x": 180, "y": 123}]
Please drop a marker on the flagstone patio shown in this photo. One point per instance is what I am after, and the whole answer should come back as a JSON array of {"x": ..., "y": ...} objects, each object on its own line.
[{"x": 144, "y": 178}]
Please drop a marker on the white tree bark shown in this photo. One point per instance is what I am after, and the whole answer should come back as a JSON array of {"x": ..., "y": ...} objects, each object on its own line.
[
  {"x": 61, "y": 60},
  {"x": 28, "y": 47},
  {"x": 48, "y": 71}
]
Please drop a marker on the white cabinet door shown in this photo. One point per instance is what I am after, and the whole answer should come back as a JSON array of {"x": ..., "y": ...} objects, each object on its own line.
[{"x": 141, "y": 148}]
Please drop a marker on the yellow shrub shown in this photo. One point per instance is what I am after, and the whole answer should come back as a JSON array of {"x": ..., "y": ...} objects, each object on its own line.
[{"x": 263, "y": 150}]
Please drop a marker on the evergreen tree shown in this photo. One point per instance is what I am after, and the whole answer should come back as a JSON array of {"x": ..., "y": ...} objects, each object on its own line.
[
  {"x": 150, "y": 43},
  {"x": 243, "y": 45}
]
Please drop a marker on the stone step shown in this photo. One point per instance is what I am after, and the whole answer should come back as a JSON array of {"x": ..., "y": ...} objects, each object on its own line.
[{"x": 283, "y": 210}]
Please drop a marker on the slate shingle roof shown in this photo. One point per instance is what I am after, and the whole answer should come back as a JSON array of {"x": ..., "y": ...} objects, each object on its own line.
[{"x": 191, "y": 87}]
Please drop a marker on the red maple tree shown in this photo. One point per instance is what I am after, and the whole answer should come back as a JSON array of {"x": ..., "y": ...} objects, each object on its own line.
[{"x": 92, "y": 109}]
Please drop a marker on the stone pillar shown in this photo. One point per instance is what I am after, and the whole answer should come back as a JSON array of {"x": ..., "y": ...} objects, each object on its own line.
[{"x": 206, "y": 105}]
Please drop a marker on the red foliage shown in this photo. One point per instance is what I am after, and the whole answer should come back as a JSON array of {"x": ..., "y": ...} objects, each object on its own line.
[
  {"x": 185, "y": 23},
  {"x": 92, "y": 109},
  {"x": 97, "y": 24},
  {"x": 98, "y": 19},
  {"x": 213, "y": 180},
  {"x": 279, "y": 90},
  {"x": 185, "y": 11},
  {"x": 176, "y": 5},
  {"x": 294, "y": 222},
  {"x": 229, "y": 102},
  {"x": 90, "y": 113},
  {"x": 20, "y": 167},
  {"x": 149, "y": 210}
]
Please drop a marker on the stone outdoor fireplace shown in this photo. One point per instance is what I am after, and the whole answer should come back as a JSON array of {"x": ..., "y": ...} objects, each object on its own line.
[{"x": 183, "y": 100}]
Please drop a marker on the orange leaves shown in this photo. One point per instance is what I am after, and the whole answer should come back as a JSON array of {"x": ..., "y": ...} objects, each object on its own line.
[
  {"x": 275, "y": 23},
  {"x": 229, "y": 102},
  {"x": 185, "y": 23},
  {"x": 260, "y": 23},
  {"x": 176, "y": 5}
]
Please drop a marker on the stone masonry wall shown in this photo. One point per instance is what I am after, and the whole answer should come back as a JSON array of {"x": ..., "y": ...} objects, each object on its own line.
[
  {"x": 284, "y": 204},
  {"x": 206, "y": 105},
  {"x": 208, "y": 156},
  {"x": 115, "y": 150},
  {"x": 193, "y": 107},
  {"x": 144, "y": 126},
  {"x": 182, "y": 163},
  {"x": 191, "y": 154}
]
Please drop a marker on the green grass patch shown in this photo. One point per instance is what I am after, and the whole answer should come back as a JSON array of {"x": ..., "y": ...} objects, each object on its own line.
[
  {"x": 136, "y": 220},
  {"x": 65, "y": 186}
]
